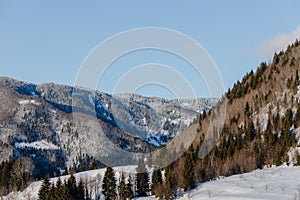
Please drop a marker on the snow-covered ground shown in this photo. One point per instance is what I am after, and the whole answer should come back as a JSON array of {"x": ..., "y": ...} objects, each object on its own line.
[
  {"x": 275, "y": 183},
  {"x": 270, "y": 183},
  {"x": 37, "y": 145},
  {"x": 24, "y": 102},
  {"x": 93, "y": 178}
]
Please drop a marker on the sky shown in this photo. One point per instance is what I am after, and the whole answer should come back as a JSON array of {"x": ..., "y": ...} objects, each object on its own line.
[{"x": 48, "y": 41}]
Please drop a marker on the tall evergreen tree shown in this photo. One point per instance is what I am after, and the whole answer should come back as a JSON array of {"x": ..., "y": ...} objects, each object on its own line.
[
  {"x": 142, "y": 180},
  {"x": 109, "y": 184},
  {"x": 58, "y": 189},
  {"x": 45, "y": 189},
  {"x": 129, "y": 188},
  {"x": 169, "y": 184},
  {"x": 65, "y": 191},
  {"x": 122, "y": 187},
  {"x": 72, "y": 187},
  {"x": 156, "y": 180},
  {"x": 188, "y": 172},
  {"x": 81, "y": 190},
  {"x": 52, "y": 193}
]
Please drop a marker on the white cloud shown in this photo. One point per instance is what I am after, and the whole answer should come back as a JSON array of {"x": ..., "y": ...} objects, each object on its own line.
[{"x": 278, "y": 42}]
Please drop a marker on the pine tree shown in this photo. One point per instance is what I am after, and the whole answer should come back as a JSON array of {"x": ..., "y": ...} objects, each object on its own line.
[
  {"x": 52, "y": 193},
  {"x": 58, "y": 189},
  {"x": 169, "y": 184},
  {"x": 129, "y": 189},
  {"x": 122, "y": 187},
  {"x": 65, "y": 191},
  {"x": 81, "y": 190},
  {"x": 109, "y": 184},
  {"x": 188, "y": 172},
  {"x": 93, "y": 165},
  {"x": 45, "y": 189},
  {"x": 142, "y": 180},
  {"x": 247, "y": 110},
  {"x": 250, "y": 132},
  {"x": 156, "y": 180},
  {"x": 72, "y": 187}
]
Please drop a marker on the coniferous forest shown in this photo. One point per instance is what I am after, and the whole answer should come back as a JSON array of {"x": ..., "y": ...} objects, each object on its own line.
[{"x": 258, "y": 132}]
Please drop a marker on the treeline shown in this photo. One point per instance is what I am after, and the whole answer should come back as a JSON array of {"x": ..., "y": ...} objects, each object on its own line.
[
  {"x": 246, "y": 141},
  {"x": 127, "y": 187},
  {"x": 15, "y": 174},
  {"x": 162, "y": 187},
  {"x": 69, "y": 190}
]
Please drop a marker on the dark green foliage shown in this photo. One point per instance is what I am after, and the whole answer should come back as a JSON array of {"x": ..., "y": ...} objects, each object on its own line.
[
  {"x": 81, "y": 190},
  {"x": 188, "y": 171},
  {"x": 169, "y": 184},
  {"x": 52, "y": 193},
  {"x": 129, "y": 188},
  {"x": 289, "y": 118},
  {"x": 109, "y": 184},
  {"x": 93, "y": 165},
  {"x": 250, "y": 132},
  {"x": 67, "y": 191},
  {"x": 59, "y": 189},
  {"x": 142, "y": 180},
  {"x": 15, "y": 174},
  {"x": 72, "y": 187},
  {"x": 45, "y": 189},
  {"x": 278, "y": 155},
  {"x": 167, "y": 188},
  {"x": 156, "y": 180},
  {"x": 122, "y": 187},
  {"x": 247, "y": 110}
]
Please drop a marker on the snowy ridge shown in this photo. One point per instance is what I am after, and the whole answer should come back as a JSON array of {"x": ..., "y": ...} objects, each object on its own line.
[{"x": 36, "y": 145}]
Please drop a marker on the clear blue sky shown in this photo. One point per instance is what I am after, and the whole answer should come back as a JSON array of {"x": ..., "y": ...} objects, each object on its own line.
[{"x": 46, "y": 41}]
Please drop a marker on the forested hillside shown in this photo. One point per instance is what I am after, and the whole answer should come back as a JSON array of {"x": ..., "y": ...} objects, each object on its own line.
[{"x": 260, "y": 128}]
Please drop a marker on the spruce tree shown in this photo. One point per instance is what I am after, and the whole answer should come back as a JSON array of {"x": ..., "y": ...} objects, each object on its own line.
[
  {"x": 72, "y": 187},
  {"x": 129, "y": 188},
  {"x": 122, "y": 187},
  {"x": 65, "y": 191},
  {"x": 156, "y": 180},
  {"x": 81, "y": 190},
  {"x": 169, "y": 184},
  {"x": 109, "y": 184},
  {"x": 58, "y": 189},
  {"x": 52, "y": 193},
  {"x": 142, "y": 180},
  {"x": 45, "y": 189},
  {"x": 188, "y": 172}
]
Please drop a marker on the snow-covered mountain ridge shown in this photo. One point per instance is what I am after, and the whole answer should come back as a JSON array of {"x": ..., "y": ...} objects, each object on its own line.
[{"x": 62, "y": 126}]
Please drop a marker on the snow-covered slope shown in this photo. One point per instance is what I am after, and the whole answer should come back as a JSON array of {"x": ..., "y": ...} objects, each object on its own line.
[
  {"x": 275, "y": 183},
  {"x": 92, "y": 177}
]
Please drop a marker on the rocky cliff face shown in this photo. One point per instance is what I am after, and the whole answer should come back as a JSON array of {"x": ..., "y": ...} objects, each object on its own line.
[{"x": 62, "y": 126}]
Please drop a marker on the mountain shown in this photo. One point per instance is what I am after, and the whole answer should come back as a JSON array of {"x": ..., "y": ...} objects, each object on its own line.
[
  {"x": 60, "y": 127},
  {"x": 255, "y": 125}
]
